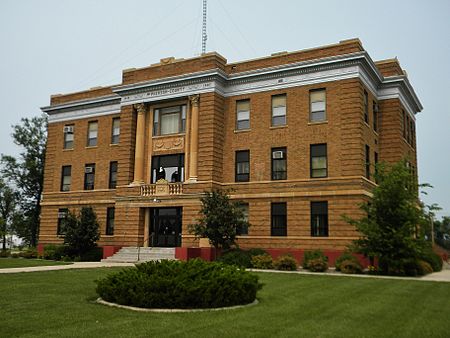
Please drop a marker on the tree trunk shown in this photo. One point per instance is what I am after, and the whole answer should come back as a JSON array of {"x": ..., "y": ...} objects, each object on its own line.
[{"x": 4, "y": 242}]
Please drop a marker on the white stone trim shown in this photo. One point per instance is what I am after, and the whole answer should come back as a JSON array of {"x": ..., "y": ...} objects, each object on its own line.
[{"x": 84, "y": 113}]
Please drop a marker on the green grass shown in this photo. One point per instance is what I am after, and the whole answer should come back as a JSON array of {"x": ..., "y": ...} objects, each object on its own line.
[
  {"x": 60, "y": 304},
  {"x": 6, "y": 263}
]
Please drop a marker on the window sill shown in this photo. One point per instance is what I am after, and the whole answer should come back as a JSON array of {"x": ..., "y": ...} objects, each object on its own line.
[
  {"x": 91, "y": 147},
  {"x": 68, "y": 149},
  {"x": 237, "y": 131},
  {"x": 108, "y": 236},
  {"x": 169, "y": 135},
  {"x": 314, "y": 123},
  {"x": 113, "y": 144},
  {"x": 279, "y": 127}
]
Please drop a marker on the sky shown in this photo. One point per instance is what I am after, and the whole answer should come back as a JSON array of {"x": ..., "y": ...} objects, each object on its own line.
[{"x": 54, "y": 46}]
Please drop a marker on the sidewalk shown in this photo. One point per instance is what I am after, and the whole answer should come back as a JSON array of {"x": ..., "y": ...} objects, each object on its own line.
[
  {"x": 442, "y": 276},
  {"x": 76, "y": 265}
]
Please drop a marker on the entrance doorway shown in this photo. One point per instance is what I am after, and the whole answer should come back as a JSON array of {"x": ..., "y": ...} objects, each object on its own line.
[{"x": 165, "y": 229}]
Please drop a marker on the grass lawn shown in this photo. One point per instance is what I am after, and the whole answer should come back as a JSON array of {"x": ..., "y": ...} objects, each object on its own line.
[
  {"x": 60, "y": 304},
  {"x": 6, "y": 263}
]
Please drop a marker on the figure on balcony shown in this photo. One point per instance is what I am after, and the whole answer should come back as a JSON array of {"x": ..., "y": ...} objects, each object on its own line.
[
  {"x": 175, "y": 177},
  {"x": 161, "y": 174}
]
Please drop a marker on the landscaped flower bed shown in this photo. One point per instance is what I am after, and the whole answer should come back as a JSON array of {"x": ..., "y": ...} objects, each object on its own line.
[{"x": 180, "y": 285}]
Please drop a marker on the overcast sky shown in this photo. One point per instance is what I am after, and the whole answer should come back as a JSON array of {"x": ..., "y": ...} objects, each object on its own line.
[{"x": 55, "y": 46}]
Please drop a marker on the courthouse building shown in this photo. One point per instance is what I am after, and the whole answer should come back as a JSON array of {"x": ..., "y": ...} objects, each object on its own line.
[{"x": 294, "y": 135}]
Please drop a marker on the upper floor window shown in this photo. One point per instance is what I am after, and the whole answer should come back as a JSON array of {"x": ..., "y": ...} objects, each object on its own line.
[
  {"x": 278, "y": 225},
  {"x": 168, "y": 167},
  {"x": 367, "y": 163},
  {"x": 92, "y": 134},
  {"x": 89, "y": 176},
  {"x": 242, "y": 173},
  {"x": 169, "y": 120},
  {"x": 404, "y": 123},
  {"x": 62, "y": 217},
  {"x": 279, "y": 110},
  {"x": 279, "y": 164},
  {"x": 110, "y": 221},
  {"x": 366, "y": 107},
  {"x": 113, "y": 175},
  {"x": 318, "y": 105},
  {"x": 319, "y": 219},
  {"x": 243, "y": 114},
  {"x": 375, "y": 160},
  {"x": 375, "y": 115},
  {"x": 69, "y": 130},
  {"x": 318, "y": 160},
  {"x": 66, "y": 178},
  {"x": 115, "y": 132}
]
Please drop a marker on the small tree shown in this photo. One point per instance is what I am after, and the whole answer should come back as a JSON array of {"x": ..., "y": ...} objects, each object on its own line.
[
  {"x": 391, "y": 230},
  {"x": 8, "y": 199},
  {"x": 81, "y": 232},
  {"x": 220, "y": 220}
]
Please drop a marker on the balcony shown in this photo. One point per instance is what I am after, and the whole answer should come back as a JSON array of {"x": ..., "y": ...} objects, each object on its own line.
[{"x": 161, "y": 188}]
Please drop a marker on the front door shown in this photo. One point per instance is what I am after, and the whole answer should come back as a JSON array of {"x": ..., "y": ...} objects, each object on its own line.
[{"x": 165, "y": 227}]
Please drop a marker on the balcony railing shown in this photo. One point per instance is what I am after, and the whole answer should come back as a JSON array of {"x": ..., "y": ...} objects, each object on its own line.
[{"x": 163, "y": 189}]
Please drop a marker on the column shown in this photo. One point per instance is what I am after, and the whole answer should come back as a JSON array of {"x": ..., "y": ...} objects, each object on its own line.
[
  {"x": 139, "y": 149},
  {"x": 193, "y": 151}
]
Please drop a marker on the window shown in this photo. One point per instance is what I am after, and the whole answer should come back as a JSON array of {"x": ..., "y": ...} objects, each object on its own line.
[
  {"x": 92, "y": 134},
  {"x": 318, "y": 105},
  {"x": 68, "y": 136},
  {"x": 278, "y": 219},
  {"x": 318, "y": 163},
  {"x": 319, "y": 219},
  {"x": 62, "y": 217},
  {"x": 110, "y": 221},
  {"x": 404, "y": 123},
  {"x": 243, "y": 230},
  {"x": 367, "y": 163},
  {"x": 413, "y": 134},
  {"x": 375, "y": 115},
  {"x": 375, "y": 160},
  {"x": 243, "y": 114},
  {"x": 66, "y": 178},
  {"x": 169, "y": 120},
  {"x": 89, "y": 176},
  {"x": 113, "y": 175},
  {"x": 242, "y": 173},
  {"x": 168, "y": 167},
  {"x": 366, "y": 107},
  {"x": 115, "y": 132},
  {"x": 279, "y": 164},
  {"x": 279, "y": 110}
]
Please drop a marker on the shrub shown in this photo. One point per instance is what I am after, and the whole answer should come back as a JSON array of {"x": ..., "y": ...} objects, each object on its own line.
[
  {"x": 15, "y": 255},
  {"x": 29, "y": 253},
  {"x": 5, "y": 253},
  {"x": 285, "y": 263},
  {"x": 262, "y": 261},
  {"x": 429, "y": 256},
  {"x": 424, "y": 268},
  {"x": 177, "y": 284},
  {"x": 55, "y": 252},
  {"x": 93, "y": 255},
  {"x": 236, "y": 257},
  {"x": 318, "y": 264},
  {"x": 256, "y": 252},
  {"x": 402, "y": 267},
  {"x": 346, "y": 256},
  {"x": 310, "y": 255},
  {"x": 350, "y": 266}
]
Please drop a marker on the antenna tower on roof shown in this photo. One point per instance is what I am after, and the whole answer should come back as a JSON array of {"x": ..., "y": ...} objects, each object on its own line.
[{"x": 204, "y": 36}]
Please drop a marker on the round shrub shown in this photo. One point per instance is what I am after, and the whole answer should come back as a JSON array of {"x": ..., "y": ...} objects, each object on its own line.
[
  {"x": 350, "y": 267},
  {"x": 285, "y": 263},
  {"x": 424, "y": 268},
  {"x": 311, "y": 255},
  {"x": 318, "y": 265},
  {"x": 177, "y": 284},
  {"x": 433, "y": 259},
  {"x": 15, "y": 255},
  {"x": 262, "y": 261},
  {"x": 346, "y": 256},
  {"x": 236, "y": 257},
  {"x": 29, "y": 253},
  {"x": 5, "y": 253}
]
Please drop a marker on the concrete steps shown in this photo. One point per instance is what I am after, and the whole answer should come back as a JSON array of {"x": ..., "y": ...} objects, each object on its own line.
[{"x": 132, "y": 254}]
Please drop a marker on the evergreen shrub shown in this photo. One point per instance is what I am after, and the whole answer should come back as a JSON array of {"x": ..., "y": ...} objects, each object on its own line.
[
  {"x": 310, "y": 255},
  {"x": 319, "y": 264},
  {"x": 263, "y": 261},
  {"x": 345, "y": 256},
  {"x": 350, "y": 267},
  {"x": 285, "y": 263},
  {"x": 176, "y": 284}
]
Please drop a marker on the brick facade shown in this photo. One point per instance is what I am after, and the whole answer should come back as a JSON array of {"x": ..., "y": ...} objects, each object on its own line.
[{"x": 344, "y": 71}]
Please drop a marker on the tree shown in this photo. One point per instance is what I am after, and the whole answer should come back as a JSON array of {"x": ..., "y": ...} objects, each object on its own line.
[
  {"x": 8, "y": 198},
  {"x": 220, "y": 220},
  {"x": 27, "y": 173},
  {"x": 391, "y": 231},
  {"x": 81, "y": 232}
]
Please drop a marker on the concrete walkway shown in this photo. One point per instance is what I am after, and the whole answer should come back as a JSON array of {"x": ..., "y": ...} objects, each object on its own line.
[
  {"x": 442, "y": 276},
  {"x": 76, "y": 265}
]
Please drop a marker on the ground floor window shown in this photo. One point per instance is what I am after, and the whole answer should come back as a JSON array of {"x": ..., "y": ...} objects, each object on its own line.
[
  {"x": 278, "y": 219},
  {"x": 243, "y": 230},
  {"x": 319, "y": 219},
  {"x": 110, "y": 216},
  {"x": 165, "y": 230},
  {"x": 62, "y": 216},
  {"x": 168, "y": 167}
]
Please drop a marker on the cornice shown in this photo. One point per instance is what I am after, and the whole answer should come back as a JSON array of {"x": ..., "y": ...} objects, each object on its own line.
[{"x": 82, "y": 104}]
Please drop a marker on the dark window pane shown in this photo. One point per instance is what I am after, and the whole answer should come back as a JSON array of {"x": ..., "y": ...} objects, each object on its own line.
[
  {"x": 66, "y": 178},
  {"x": 278, "y": 219},
  {"x": 62, "y": 216},
  {"x": 110, "y": 221},
  {"x": 279, "y": 164},
  {"x": 113, "y": 175},
  {"x": 318, "y": 160},
  {"x": 168, "y": 167},
  {"x": 319, "y": 219},
  {"x": 242, "y": 170}
]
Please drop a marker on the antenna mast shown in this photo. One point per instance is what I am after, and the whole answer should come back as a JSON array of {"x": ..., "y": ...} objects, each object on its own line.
[{"x": 204, "y": 36}]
